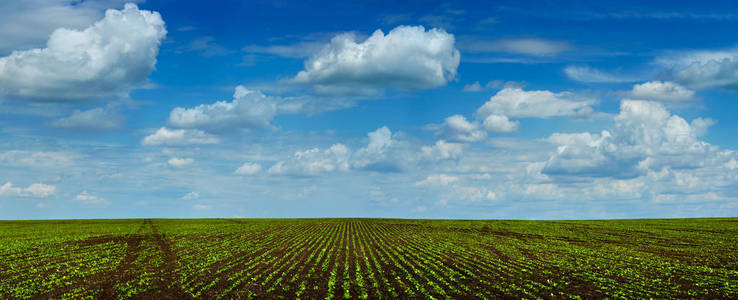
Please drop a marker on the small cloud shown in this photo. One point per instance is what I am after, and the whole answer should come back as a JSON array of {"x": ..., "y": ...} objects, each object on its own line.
[
  {"x": 179, "y": 137},
  {"x": 41, "y": 205},
  {"x": 592, "y": 75},
  {"x": 180, "y": 162},
  {"x": 91, "y": 199},
  {"x": 201, "y": 207},
  {"x": 248, "y": 169},
  {"x": 525, "y": 46},
  {"x": 191, "y": 196}
]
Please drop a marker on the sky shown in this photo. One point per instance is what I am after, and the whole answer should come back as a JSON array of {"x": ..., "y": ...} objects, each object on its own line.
[{"x": 420, "y": 109}]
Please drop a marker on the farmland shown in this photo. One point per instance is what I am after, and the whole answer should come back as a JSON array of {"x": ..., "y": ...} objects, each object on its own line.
[{"x": 368, "y": 258}]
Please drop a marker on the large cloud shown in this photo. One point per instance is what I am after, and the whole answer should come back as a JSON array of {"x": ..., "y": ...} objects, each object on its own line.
[
  {"x": 646, "y": 137},
  {"x": 28, "y": 24},
  {"x": 406, "y": 58},
  {"x": 110, "y": 57}
]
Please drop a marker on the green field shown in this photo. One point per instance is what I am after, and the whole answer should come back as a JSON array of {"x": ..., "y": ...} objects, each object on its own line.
[{"x": 369, "y": 258}]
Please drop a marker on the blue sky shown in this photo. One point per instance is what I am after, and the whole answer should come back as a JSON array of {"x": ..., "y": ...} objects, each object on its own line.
[{"x": 541, "y": 110}]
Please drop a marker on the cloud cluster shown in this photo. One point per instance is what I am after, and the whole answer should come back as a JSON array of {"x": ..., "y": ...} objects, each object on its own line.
[
  {"x": 314, "y": 162},
  {"x": 383, "y": 154},
  {"x": 110, "y": 57},
  {"x": 406, "y": 58},
  {"x": 703, "y": 69},
  {"x": 645, "y": 137},
  {"x": 36, "y": 190}
]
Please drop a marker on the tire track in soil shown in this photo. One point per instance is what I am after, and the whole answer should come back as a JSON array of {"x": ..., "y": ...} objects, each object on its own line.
[
  {"x": 169, "y": 287},
  {"x": 167, "y": 283}
]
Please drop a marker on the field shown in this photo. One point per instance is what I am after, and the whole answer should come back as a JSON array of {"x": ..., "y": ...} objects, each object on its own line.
[{"x": 369, "y": 258}]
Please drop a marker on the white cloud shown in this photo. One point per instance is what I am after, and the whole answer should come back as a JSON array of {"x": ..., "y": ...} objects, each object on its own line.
[
  {"x": 526, "y": 46},
  {"x": 438, "y": 180},
  {"x": 701, "y": 69},
  {"x": 442, "y": 150},
  {"x": 91, "y": 199},
  {"x": 248, "y": 169},
  {"x": 592, "y": 75},
  {"x": 96, "y": 119},
  {"x": 646, "y": 137},
  {"x": 661, "y": 91},
  {"x": 500, "y": 123},
  {"x": 248, "y": 110},
  {"x": 191, "y": 196},
  {"x": 477, "y": 87},
  {"x": 375, "y": 156},
  {"x": 28, "y": 24},
  {"x": 457, "y": 128},
  {"x": 110, "y": 57},
  {"x": 406, "y": 58},
  {"x": 180, "y": 162},
  {"x": 314, "y": 162},
  {"x": 517, "y": 103},
  {"x": 178, "y": 137},
  {"x": 36, "y": 190}
]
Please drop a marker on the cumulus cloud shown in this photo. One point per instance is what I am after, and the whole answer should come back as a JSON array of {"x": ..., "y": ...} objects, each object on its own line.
[
  {"x": 703, "y": 69},
  {"x": 458, "y": 129},
  {"x": 381, "y": 154},
  {"x": 248, "y": 110},
  {"x": 378, "y": 155},
  {"x": 180, "y": 162},
  {"x": 592, "y": 75},
  {"x": 646, "y": 137},
  {"x": 500, "y": 123},
  {"x": 406, "y": 58},
  {"x": 248, "y": 169},
  {"x": 661, "y": 91},
  {"x": 517, "y": 103},
  {"x": 91, "y": 199},
  {"x": 526, "y": 46},
  {"x": 178, "y": 137},
  {"x": 28, "y": 24},
  {"x": 107, "y": 58},
  {"x": 36, "y": 190},
  {"x": 442, "y": 150},
  {"x": 96, "y": 119}
]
